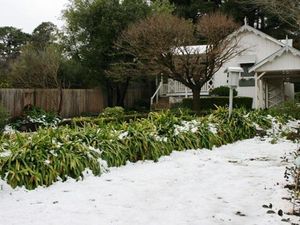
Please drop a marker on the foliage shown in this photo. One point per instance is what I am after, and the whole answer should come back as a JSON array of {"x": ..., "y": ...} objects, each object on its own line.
[
  {"x": 288, "y": 109},
  {"x": 159, "y": 6},
  {"x": 214, "y": 102},
  {"x": 115, "y": 112},
  {"x": 33, "y": 118},
  {"x": 237, "y": 127},
  {"x": 43, "y": 157},
  {"x": 37, "y": 68},
  {"x": 11, "y": 42},
  {"x": 92, "y": 27},
  {"x": 222, "y": 91},
  {"x": 44, "y": 35}
]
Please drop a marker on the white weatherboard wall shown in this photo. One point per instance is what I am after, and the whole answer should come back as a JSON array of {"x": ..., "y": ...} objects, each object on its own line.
[
  {"x": 251, "y": 45},
  {"x": 285, "y": 62}
]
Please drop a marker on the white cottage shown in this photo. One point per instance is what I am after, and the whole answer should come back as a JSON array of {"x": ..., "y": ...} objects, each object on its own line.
[{"x": 270, "y": 67}]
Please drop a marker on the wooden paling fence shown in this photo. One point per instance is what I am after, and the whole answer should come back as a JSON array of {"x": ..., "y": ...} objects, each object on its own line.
[{"x": 75, "y": 102}]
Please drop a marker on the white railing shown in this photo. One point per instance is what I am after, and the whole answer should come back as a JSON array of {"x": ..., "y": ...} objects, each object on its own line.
[
  {"x": 155, "y": 95},
  {"x": 177, "y": 88}
]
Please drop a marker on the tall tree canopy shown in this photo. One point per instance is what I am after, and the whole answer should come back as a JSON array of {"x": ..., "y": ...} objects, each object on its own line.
[
  {"x": 93, "y": 27},
  {"x": 45, "y": 34},
  {"x": 11, "y": 42}
]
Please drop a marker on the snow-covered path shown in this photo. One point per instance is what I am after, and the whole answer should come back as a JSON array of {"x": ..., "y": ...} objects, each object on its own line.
[{"x": 188, "y": 188}]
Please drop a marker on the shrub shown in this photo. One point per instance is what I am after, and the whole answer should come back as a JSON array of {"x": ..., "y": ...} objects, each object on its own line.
[
  {"x": 32, "y": 118},
  {"x": 289, "y": 109},
  {"x": 45, "y": 157},
  {"x": 48, "y": 155},
  {"x": 113, "y": 112},
  {"x": 222, "y": 91},
  {"x": 214, "y": 102}
]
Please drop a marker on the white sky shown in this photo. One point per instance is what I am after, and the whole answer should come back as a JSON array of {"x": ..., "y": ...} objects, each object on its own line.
[{"x": 28, "y": 14}]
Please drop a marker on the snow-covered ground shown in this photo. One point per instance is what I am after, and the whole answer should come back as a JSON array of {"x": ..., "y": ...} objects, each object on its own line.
[{"x": 228, "y": 185}]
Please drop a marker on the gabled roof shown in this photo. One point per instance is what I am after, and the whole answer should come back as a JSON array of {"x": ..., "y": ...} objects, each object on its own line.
[
  {"x": 190, "y": 50},
  {"x": 279, "y": 53},
  {"x": 248, "y": 28}
]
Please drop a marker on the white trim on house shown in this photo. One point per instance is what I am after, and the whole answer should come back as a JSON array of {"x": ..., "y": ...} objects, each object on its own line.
[
  {"x": 248, "y": 28},
  {"x": 270, "y": 58}
]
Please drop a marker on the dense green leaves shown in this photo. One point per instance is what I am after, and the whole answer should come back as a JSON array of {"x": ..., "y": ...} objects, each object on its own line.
[
  {"x": 52, "y": 154},
  {"x": 11, "y": 42},
  {"x": 45, "y": 157}
]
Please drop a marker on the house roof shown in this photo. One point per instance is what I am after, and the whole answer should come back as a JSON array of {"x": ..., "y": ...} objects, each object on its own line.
[
  {"x": 190, "y": 50},
  {"x": 248, "y": 28},
  {"x": 279, "y": 53},
  {"x": 201, "y": 49}
]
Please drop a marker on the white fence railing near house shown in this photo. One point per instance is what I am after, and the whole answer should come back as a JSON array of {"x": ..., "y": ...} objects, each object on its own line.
[{"x": 175, "y": 88}]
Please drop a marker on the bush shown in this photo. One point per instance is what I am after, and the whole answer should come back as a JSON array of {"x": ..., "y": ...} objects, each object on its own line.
[
  {"x": 113, "y": 112},
  {"x": 289, "y": 109},
  {"x": 45, "y": 157},
  {"x": 214, "y": 102},
  {"x": 222, "y": 91},
  {"x": 32, "y": 118}
]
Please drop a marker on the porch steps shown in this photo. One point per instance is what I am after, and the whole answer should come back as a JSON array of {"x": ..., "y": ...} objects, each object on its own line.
[{"x": 163, "y": 103}]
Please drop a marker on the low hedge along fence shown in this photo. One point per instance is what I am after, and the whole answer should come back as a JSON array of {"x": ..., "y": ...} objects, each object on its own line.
[{"x": 214, "y": 102}]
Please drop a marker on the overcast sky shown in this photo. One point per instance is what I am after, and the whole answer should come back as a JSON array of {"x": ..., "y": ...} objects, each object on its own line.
[{"x": 28, "y": 14}]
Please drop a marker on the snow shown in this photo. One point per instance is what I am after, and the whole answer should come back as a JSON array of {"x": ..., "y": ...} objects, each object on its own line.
[{"x": 187, "y": 188}]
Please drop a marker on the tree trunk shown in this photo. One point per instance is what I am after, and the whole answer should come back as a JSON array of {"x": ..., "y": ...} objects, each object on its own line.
[
  {"x": 60, "y": 103},
  {"x": 121, "y": 93},
  {"x": 110, "y": 94},
  {"x": 196, "y": 99}
]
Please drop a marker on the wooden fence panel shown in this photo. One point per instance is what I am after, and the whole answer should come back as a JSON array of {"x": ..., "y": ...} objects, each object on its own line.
[{"x": 75, "y": 102}]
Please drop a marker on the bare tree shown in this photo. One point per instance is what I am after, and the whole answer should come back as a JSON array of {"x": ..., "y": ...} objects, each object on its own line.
[{"x": 163, "y": 44}]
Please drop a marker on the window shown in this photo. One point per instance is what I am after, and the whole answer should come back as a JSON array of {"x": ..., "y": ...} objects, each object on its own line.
[{"x": 246, "y": 67}]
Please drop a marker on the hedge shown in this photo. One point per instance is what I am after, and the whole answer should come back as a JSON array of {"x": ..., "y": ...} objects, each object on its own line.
[
  {"x": 211, "y": 102},
  {"x": 222, "y": 91}
]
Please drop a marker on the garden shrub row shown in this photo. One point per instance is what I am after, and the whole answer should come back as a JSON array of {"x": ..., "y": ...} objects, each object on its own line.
[
  {"x": 52, "y": 154},
  {"x": 222, "y": 91},
  {"x": 208, "y": 103}
]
